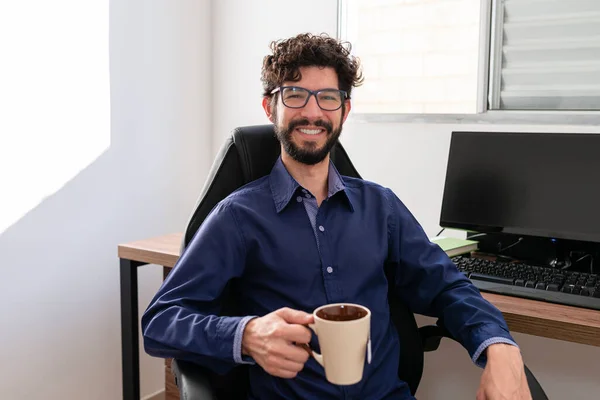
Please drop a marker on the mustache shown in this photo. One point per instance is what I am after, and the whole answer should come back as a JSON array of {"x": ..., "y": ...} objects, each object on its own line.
[{"x": 304, "y": 121}]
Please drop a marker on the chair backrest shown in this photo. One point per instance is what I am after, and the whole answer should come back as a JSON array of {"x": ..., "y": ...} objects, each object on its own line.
[{"x": 248, "y": 154}]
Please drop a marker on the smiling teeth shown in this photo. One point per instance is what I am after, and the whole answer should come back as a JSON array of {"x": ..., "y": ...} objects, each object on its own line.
[{"x": 310, "y": 131}]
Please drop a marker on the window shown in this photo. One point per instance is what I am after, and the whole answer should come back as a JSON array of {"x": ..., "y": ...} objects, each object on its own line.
[
  {"x": 470, "y": 56},
  {"x": 546, "y": 55},
  {"x": 418, "y": 56}
]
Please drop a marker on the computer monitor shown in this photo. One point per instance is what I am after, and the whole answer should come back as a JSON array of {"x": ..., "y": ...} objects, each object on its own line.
[{"x": 536, "y": 184}]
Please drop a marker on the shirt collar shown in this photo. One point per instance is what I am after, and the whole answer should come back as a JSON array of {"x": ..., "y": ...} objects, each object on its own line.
[{"x": 284, "y": 186}]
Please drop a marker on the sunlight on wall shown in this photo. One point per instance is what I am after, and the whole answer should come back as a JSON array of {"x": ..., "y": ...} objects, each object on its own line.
[{"x": 54, "y": 97}]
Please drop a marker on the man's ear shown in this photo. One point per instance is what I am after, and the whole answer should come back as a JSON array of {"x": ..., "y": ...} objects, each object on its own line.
[
  {"x": 266, "y": 103},
  {"x": 347, "y": 108}
]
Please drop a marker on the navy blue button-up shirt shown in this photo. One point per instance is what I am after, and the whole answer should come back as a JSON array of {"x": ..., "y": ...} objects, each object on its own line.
[{"x": 261, "y": 236}]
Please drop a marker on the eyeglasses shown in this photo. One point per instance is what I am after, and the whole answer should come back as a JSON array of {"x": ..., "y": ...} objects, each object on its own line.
[{"x": 297, "y": 97}]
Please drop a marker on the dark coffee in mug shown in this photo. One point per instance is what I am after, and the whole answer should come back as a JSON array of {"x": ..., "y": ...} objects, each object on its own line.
[{"x": 341, "y": 313}]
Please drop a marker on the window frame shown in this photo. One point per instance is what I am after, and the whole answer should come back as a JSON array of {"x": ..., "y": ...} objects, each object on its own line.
[{"x": 488, "y": 84}]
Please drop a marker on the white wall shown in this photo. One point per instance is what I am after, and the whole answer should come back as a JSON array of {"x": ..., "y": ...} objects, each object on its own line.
[
  {"x": 242, "y": 33},
  {"x": 59, "y": 292},
  {"x": 409, "y": 157}
]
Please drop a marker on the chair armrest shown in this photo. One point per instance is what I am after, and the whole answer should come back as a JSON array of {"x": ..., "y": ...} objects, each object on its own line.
[
  {"x": 431, "y": 336},
  {"x": 192, "y": 381},
  {"x": 537, "y": 393}
]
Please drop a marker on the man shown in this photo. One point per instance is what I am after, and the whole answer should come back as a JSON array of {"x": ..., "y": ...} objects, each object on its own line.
[{"x": 305, "y": 236}]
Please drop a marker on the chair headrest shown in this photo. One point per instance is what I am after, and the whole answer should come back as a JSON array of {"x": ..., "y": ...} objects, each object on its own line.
[{"x": 258, "y": 149}]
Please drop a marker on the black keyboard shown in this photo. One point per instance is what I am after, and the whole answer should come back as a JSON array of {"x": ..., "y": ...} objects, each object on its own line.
[{"x": 553, "y": 285}]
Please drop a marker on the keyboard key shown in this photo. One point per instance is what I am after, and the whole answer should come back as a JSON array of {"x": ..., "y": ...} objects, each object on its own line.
[
  {"x": 541, "y": 285},
  {"x": 553, "y": 287},
  {"x": 567, "y": 289}
]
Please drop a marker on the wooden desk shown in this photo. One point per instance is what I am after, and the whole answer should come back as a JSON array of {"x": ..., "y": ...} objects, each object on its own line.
[{"x": 538, "y": 318}]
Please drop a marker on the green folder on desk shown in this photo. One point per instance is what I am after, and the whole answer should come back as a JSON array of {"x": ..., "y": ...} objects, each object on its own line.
[{"x": 454, "y": 246}]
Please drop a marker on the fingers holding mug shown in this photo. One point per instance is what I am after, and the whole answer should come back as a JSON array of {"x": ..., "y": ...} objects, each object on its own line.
[{"x": 269, "y": 340}]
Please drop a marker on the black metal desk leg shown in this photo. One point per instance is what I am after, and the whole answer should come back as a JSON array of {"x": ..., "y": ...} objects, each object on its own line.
[{"x": 129, "y": 330}]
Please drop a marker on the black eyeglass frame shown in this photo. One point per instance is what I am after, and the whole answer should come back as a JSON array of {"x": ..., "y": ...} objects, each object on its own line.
[{"x": 312, "y": 93}]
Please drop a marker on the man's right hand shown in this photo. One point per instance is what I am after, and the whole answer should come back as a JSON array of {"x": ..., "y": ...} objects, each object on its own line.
[{"x": 270, "y": 341}]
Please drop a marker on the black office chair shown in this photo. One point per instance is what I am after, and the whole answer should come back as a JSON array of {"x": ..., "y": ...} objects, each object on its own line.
[{"x": 249, "y": 154}]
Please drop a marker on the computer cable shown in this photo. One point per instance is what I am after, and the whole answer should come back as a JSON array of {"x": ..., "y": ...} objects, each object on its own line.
[
  {"x": 591, "y": 261},
  {"x": 500, "y": 249}
]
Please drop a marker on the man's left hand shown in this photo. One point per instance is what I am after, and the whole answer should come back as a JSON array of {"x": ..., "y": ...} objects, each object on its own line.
[{"x": 504, "y": 375}]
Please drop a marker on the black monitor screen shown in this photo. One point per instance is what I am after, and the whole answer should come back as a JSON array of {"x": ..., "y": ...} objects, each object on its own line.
[{"x": 538, "y": 184}]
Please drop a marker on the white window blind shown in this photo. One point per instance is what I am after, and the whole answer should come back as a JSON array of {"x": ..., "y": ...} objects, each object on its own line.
[
  {"x": 418, "y": 56},
  {"x": 545, "y": 55}
]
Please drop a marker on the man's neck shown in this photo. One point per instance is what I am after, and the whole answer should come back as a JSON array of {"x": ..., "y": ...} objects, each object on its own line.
[{"x": 313, "y": 178}]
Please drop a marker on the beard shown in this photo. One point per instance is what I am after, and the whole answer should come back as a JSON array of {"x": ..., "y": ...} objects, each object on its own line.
[{"x": 308, "y": 153}]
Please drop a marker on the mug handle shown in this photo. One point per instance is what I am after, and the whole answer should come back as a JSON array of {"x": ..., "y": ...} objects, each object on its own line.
[
  {"x": 319, "y": 357},
  {"x": 310, "y": 351}
]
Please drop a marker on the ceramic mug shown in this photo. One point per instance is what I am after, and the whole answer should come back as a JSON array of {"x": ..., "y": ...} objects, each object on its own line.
[{"x": 343, "y": 330}]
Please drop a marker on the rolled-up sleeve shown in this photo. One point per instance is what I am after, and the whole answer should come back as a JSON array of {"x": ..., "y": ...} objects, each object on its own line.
[
  {"x": 429, "y": 282},
  {"x": 182, "y": 319}
]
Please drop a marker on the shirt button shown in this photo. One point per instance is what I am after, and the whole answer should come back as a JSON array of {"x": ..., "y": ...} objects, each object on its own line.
[
  {"x": 329, "y": 269},
  {"x": 321, "y": 228},
  {"x": 298, "y": 199}
]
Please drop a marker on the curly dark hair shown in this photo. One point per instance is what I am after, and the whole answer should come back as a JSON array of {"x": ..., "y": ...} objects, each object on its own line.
[{"x": 307, "y": 50}]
